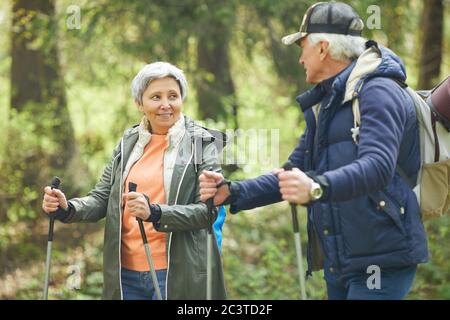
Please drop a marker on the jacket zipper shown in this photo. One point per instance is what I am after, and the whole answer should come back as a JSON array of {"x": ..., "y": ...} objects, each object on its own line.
[
  {"x": 120, "y": 220},
  {"x": 309, "y": 259},
  {"x": 170, "y": 235},
  {"x": 112, "y": 169}
]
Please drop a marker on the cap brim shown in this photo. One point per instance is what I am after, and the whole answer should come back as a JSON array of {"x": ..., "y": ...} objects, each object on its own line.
[{"x": 293, "y": 38}]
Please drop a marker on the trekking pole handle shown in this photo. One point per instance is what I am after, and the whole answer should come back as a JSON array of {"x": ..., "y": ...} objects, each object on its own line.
[
  {"x": 54, "y": 185},
  {"x": 209, "y": 205},
  {"x": 55, "y": 182},
  {"x": 288, "y": 167},
  {"x": 132, "y": 187}
]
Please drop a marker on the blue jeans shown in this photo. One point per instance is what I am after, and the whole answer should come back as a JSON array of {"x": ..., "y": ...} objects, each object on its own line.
[
  {"x": 137, "y": 285},
  {"x": 394, "y": 284}
]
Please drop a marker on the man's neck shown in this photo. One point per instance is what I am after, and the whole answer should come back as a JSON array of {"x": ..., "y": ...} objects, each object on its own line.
[{"x": 334, "y": 67}]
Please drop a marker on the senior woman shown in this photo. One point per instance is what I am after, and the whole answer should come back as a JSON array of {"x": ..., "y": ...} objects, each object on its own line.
[{"x": 163, "y": 155}]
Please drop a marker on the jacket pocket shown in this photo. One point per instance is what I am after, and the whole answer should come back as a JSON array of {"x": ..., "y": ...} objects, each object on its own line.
[{"x": 391, "y": 206}]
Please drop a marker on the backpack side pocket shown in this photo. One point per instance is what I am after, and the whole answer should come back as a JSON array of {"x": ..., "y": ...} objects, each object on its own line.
[{"x": 434, "y": 189}]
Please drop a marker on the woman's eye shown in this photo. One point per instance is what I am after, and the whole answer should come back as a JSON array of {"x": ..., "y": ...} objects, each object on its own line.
[
  {"x": 155, "y": 98},
  {"x": 173, "y": 97}
]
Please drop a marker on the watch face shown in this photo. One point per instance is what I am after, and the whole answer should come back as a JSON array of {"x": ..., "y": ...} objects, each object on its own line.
[{"x": 316, "y": 191}]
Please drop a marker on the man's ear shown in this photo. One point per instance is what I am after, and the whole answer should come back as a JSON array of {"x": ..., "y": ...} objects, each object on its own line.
[{"x": 323, "y": 50}]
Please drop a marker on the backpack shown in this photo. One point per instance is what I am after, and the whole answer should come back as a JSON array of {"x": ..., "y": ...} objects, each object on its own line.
[{"x": 432, "y": 187}]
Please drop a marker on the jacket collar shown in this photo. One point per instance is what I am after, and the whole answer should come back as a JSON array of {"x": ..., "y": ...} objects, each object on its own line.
[
  {"x": 174, "y": 135},
  {"x": 331, "y": 85},
  {"x": 375, "y": 61}
]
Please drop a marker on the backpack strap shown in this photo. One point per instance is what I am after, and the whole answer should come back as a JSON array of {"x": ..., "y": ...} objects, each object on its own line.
[
  {"x": 356, "y": 118},
  {"x": 357, "y": 113},
  {"x": 437, "y": 150},
  {"x": 434, "y": 119},
  {"x": 357, "y": 123},
  {"x": 401, "y": 83}
]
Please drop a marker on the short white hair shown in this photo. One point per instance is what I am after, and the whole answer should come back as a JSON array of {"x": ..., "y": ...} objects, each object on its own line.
[
  {"x": 157, "y": 70},
  {"x": 341, "y": 47}
]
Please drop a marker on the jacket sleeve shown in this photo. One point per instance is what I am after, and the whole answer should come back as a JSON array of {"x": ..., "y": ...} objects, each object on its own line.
[
  {"x": 264, "y": 190},
  {"x": 93, "y": 207},
  {"x": 191, "y": 216},
  {"x": 383, "y": 106},
  {"x": 256, "y": 192},
  {"x": 297, "y": 156}
]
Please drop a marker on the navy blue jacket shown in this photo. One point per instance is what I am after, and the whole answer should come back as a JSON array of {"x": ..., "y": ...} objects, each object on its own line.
[{"x": 368, "y": 214}]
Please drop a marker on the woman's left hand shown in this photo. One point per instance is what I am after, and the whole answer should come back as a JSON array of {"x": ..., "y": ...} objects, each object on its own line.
[{"x": 137, "y": 205}]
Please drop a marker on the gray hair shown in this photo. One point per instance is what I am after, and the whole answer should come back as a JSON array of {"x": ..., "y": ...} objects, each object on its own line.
[
  {"x": 341, "y": 47},
  {"x": 157, "y": 70}
]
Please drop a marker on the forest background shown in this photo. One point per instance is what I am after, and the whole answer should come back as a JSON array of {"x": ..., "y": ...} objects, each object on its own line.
[{"x": 65, "y": 73}]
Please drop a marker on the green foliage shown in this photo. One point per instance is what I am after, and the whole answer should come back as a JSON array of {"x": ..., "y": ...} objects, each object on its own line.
[
  {"x": 25, "y": 144},
  {"x": 433, "y": 278},
  {"x": 260, "y": 259}
]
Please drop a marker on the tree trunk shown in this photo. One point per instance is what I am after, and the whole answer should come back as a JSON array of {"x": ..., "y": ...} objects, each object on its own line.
[
  {"x": 431, "y": 55},
  {"x": 38, "y": 95},
  {"x": 216, "y": 92}
]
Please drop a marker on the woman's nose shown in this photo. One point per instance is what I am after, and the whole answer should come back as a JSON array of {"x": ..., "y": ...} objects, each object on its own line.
[{"x": 165, "y": 104}]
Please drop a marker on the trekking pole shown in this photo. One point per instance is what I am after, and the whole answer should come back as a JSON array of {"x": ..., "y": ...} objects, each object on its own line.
[
  {"x": 132, "y": 187},
  {"x": 209, "y": 247},
  {"x": 54, "y": 185},
  {"x": 298, "y": 247}
]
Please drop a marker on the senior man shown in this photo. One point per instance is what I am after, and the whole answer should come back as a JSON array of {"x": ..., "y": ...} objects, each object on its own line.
[{"x": 362, "y": 215}]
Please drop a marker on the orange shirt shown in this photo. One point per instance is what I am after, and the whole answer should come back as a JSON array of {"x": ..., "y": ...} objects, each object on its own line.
[{"x": 148, "y": 174}]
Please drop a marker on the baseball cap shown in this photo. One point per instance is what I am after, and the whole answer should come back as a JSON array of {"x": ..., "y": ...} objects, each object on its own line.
[{"x": 327, "y": 17}]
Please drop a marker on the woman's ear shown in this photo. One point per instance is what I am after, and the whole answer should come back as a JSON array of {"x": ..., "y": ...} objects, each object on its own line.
[{"x": 139, "y": 105}]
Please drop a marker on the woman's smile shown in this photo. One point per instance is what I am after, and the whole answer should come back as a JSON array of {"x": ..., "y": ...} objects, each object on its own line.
[{"x": 165, "y": 115}]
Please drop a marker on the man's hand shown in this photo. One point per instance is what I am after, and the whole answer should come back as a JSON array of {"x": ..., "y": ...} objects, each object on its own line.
[
  {"x": 137, "y": 205},
  {"x": 295, "y": 185},
  {"x": 208, "y": 187}
]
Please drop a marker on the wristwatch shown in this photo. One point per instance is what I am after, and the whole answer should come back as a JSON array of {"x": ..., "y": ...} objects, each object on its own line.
[{"x": 316, "y": 191}]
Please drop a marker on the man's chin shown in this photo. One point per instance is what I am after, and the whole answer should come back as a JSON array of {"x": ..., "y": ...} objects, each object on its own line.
[{"x": 311, "y": 81}]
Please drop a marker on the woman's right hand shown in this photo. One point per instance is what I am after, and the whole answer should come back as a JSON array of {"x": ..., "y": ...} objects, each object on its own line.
[
  {"x": 208, "y": 187},
  {"x": 53, "y": 198}
]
